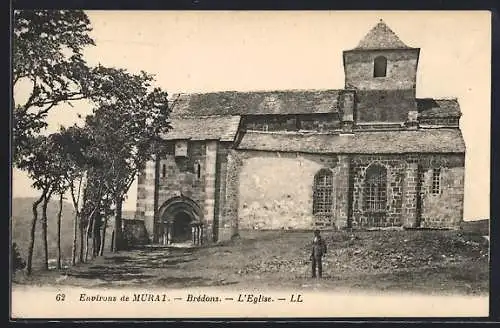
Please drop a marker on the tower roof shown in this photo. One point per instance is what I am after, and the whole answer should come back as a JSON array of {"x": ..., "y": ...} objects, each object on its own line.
[{"x": 381, "y": 37}]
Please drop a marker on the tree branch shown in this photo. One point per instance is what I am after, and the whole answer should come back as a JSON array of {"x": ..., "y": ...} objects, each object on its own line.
[
  {"x": 40, "y": 113},
  {"x": 32, "y": 96}
]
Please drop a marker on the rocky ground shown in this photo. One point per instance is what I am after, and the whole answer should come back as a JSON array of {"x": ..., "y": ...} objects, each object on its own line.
[
  {"x": 382, "y": 251},
  {"x": 423, "y": 261}
]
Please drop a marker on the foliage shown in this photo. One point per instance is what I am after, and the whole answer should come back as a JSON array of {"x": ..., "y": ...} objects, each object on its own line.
[
  {"x": 47, "y": 55},
  {"x": 125, "y": 126},
  {"x": 117, "y": 140},
  {"x": 42, "y": 169},
  {"x": 48, "y": 62}
]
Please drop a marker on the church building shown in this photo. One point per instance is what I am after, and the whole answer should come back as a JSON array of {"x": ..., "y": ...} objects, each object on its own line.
[{"x": 369, "y": 155}]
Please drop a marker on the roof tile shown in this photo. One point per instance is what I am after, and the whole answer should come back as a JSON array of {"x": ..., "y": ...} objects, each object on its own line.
[
  {"x": 256, "y": 102},
  {"x": 430, "y": 108},
  {"x": 285, "y": 102},
  {"x": 223, "y": 128},
  {"x": 381, "y": 37},
  {"x": 380, "y": 142}
]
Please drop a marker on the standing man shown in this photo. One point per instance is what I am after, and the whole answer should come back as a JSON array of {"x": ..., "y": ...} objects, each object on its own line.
[{"x": 317, "y": 252}]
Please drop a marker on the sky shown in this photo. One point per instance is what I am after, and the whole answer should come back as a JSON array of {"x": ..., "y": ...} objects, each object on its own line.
[{"x": 245, "y": 51}]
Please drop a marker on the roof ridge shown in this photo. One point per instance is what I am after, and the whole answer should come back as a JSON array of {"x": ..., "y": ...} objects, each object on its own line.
[
  {"x": 315, "y": 133},
  {"x": 381, "y": 36},
  {"x": 256, "y": 91},
  {"x": 441, "y": 98},
  {"x": 194, "y": 116},
  {"x": 287, "y": 133}
]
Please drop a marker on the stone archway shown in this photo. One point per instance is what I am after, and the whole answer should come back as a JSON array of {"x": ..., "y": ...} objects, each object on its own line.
[{"x": 180, "y": 221}]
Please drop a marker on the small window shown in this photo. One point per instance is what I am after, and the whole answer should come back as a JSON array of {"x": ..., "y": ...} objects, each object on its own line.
[
  {"x": 163, "y": 170},
  {"x": 380, "y": 66},
  {"x": 198, "y": 170},
  {"x": 436, "y": 181},
  {"x": 265, "y": 127},
  {"x": 323, "y": 193}
]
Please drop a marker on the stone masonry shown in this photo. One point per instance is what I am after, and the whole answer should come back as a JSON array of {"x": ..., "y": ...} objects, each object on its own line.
[{"x": 371, "y": 155}]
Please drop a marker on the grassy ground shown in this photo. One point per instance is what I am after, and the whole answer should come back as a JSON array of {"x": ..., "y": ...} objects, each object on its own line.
[{"x": 434, "y": 262}]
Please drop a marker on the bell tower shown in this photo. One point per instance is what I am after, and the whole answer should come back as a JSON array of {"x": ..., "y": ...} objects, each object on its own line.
[{"x": 383, "y": 72}]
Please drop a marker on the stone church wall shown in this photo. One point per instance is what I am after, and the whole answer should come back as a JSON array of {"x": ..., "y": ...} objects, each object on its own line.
[
  {"x": 145, "y": 197},
  {"x": 308, "y": 122},
  {"x": 384, "y": 105},
  {"x": 401, "y": 69},
  {"x": 222, "y": 224},
  {"x": 271, "y": 190},
  {"x": 395, "y": 168},
  {"x": 410, "y": 200},
  {"x": 382, "y": 99},
  {"x": 181, "y": 177},
  {"x": 268, "y": 190},
  {"x": 445, "y": 209}
]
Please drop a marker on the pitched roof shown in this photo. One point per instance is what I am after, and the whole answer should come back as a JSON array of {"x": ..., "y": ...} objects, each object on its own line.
[
  {"x": 381, "y": 37},
  {"x": 256, "y": 102},
  {"x": 285, "y": 102},
  {"x": 388, "y": 142},
  {"x": 429, "y": 108},
  {"x": 223, "y": 128}
]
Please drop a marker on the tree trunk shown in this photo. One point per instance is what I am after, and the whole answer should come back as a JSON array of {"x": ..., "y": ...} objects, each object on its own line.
[
  {"x": 82, "y": 239},
  {"x": 103, "y": 237},
  {"x": 112, "y": 240},
  {"x": 90, "y": 226},
  {"x": 31, "y": 246},
  {"x": 59, "y": 215},
  {"x": 118, "y": 225},
  {"x": 75, "y": 237},
  {"x": 76, "y": 201},
  {"x": 44, "y": 232},
  {"x": 94, "y": 244},
  {"x": 96, "y": 235},
  {"x": 87, "y": 237}
]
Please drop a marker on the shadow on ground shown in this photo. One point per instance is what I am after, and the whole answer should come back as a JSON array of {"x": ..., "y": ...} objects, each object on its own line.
[{"x": 145, "y": 266}]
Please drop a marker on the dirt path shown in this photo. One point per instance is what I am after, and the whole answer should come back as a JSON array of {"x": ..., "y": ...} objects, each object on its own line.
[{"x": 188, "y": 268}]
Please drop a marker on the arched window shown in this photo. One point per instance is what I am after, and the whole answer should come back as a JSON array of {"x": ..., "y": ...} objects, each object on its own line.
[
  {"x": 436, "y": 181},
  {"x": 323, "y": 193},
  {"x": 380, "y": 66},
  {"x": 375, "y": 189}
]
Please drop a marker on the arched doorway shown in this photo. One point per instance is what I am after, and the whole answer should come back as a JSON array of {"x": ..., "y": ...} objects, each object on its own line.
[
  {"x": 180, "y": 221},
  {"x": 181, "y": 227}
]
